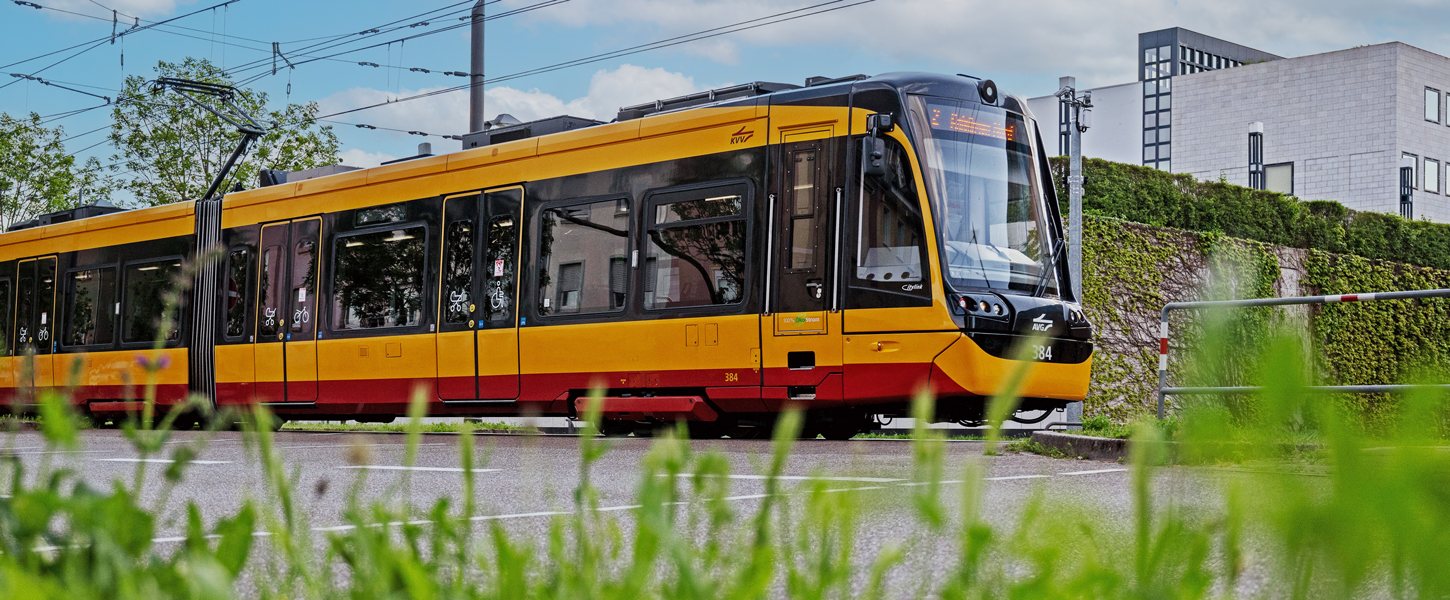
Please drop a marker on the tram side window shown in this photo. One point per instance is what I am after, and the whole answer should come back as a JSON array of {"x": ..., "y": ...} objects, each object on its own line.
[
  {"x": 92, "y": 309},
  {"x": 499, "y": 261},
  {"x": 239, "y": 267},
  {"x": 147, "y": 286},
  {"x": 457, "y": 271},
  {"x": 5, "y": 313},
  {"x": 696, "y": 253},
  {"x": 891, "y": 239},
  {"x": 575, "y": 247},
  {"x": 378, "y": 279}
]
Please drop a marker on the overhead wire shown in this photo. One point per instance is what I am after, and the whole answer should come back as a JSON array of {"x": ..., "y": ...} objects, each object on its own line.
[{"x": 665, "y": 43}]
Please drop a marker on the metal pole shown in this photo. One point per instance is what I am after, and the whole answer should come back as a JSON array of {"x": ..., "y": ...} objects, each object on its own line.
[
  {"x": 1068, "y": 95},
  {"x": 475, "y": 74}
]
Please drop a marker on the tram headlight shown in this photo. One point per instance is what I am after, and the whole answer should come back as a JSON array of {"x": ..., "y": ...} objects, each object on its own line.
[
  {"x": 996, "y": 309},
  {"x": 984, "y": 307}
]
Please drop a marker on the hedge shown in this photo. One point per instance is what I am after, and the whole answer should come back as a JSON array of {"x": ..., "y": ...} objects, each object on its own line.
[{"x": 1149, "y": 196}]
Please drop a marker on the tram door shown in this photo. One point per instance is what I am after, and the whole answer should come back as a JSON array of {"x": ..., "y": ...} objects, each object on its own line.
[
  {"x": 286, "y": 348},
  {"x": 478, "y": 340},
  {"x": 35, "y": 322},
  {"x": 802, "y": 340}
]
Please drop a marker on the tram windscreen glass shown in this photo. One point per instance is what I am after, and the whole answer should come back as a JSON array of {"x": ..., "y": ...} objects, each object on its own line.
[{"x": 987, "y": 193}]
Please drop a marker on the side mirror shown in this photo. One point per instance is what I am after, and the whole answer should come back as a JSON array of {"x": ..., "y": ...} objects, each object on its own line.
[
  {"x": 873, "y": 155},
  {"x": 880, "y": 123}
]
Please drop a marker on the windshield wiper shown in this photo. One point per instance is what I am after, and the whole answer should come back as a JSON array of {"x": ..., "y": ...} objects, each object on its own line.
[{"x": 1048, "y": 268}]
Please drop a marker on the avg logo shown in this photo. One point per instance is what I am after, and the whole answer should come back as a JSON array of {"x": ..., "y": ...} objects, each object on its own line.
[{"x": 741, "y": 136}]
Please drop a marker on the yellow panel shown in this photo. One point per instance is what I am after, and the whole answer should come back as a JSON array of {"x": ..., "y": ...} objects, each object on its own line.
[
  {"x": 301, "y": 360},
  {"x": 8, "y": 371},
  {"x": 794, "y": 117},
  {"x": 924, "y": 318},
  {"x": 496, "y": 153},
  {"x": 826, "y": 347},
  {"x": 498, "y": 352},
  {"x": 889, "y": 348},
  {"x": 407, "y": 169},
  {"x": 983, "y": 374},
  {"x": 268, "y": 362},
  {"x": 589, "y": 137},
  {"x": 455, "y": 354},
  {"x": 235, "y": 363},
  {"x": 653, "y": 345},
  {"x": 676, "y": 122},
  {"x": 340, "y": 181},
  {"x": 122, "y": 367},
  {"x": 341, "y": 359}
]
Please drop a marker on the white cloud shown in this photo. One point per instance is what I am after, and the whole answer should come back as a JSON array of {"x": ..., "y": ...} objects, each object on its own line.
[
  {"x": 447, "y": 114},
  {"x": 136, "y": 8},
  {"x": 1096, "y": 41},
  {"x": 354, "y": 157}
]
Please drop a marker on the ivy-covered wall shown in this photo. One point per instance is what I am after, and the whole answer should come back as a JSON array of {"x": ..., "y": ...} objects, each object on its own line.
[
  {"x": 1131, "y": 270},
  {"x": 1149, "y": 196}
]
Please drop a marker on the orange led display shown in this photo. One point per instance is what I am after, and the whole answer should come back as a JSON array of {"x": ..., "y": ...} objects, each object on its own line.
[{"x": 949, "y": 120}]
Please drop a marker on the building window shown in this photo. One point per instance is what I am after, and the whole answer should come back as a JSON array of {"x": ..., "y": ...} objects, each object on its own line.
[
  {"x": 1413, "y": 162},
  {"x": 1150, "y": 136},
  {"x": 1432, "y": 105},
  {"x": 1150, "y": 120},
  {"x": 1279, "y": 178},
  {"x": 1165, "y": 101},
  {"x": 1150, "y": 56},
  {"x": 1150, "y": 88},
  {"x": 1163, "y": 166},
  {"x": 1150, "y": 153},
  {"x": 1432, "y": 176},
  {"x": 1163, "y": 135},
  {"x": 1150, "y": 104}
]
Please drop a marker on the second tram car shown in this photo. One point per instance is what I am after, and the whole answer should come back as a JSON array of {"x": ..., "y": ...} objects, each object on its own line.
[{"x": 712, "y": 258}]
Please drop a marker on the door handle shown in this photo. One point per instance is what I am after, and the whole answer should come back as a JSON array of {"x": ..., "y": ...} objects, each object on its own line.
[
  {"x": 814, "y": 289},
  {"x": 886, "y": 346}
]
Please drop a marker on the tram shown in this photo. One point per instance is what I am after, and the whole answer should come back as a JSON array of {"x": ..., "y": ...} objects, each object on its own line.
[{"x": 714, "y": 259}]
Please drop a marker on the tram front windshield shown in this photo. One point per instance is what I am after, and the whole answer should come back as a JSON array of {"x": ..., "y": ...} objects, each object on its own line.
[{"x": 987, "y": 195}]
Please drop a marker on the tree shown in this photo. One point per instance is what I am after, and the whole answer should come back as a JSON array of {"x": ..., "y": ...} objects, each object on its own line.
[
  {"x": 175, "y": 148},
  {"x": 36, "y": 174}
]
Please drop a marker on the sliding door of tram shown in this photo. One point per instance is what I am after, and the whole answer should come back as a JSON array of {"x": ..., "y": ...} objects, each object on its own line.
[
  {"x": 478, "y": 339},
  {"x": 802, "y": 338},
  {"x": 34, "y": 322},
  {"x": 286, "y": 348}
]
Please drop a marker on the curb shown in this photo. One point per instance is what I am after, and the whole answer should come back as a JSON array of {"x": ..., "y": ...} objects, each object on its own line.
[{"x": 1096, "y": 448}]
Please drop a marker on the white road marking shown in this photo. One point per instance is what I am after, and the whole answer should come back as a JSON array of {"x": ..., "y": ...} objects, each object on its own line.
[
  {"x": 428, "y": 469},
  {"x": 1093, "y": 472},
  {"x": 547, "y": 513},
  {"x": 615, "y": 508},
  {"x": 345, "y": 446},
  {"x": 806, "y": 478},
  {"x": 163, "y": 461},
  {"x": 1011, "y": 477}
]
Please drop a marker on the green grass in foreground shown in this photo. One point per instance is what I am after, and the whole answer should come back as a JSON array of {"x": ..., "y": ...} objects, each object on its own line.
[
  {"x": 1376, "y": 527},
  {"x": 400, "y": 427}
]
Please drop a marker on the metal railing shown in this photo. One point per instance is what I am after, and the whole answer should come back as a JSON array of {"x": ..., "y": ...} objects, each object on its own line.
[{"x": 1164, "y": 390}]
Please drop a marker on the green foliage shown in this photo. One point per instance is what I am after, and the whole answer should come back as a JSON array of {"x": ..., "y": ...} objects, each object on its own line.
[
  {"x": 36, "y": 174},
  {"x": 1153, "y": 197},
  {"x": 174, "y": 148}
]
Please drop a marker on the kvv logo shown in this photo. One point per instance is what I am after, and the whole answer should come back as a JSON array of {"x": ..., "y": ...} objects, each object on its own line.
[{"x": 741, "y": 136}]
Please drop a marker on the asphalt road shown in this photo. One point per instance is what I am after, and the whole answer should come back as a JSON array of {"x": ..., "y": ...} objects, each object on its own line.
[{"x": 523, "y": 480}]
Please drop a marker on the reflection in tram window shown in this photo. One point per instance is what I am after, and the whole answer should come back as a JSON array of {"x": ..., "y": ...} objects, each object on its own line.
[
  {"x": 5, "y": 344},
  {"x": 92, "y": 307},
  {"x": 696, "y": 253},
  {"x": 239, "y": 266},
  {"x": 498, "y": 261},
  {"x": 890, "y": 247},
  {"x": 378, "y": 280},
  {"x": 575, "y": 245},
  {"x": 146, "y": 288},
  {"x": 458, "y": 272}
]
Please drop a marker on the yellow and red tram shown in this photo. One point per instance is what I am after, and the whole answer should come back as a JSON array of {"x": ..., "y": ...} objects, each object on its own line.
[{"x": 712, "y": 258}]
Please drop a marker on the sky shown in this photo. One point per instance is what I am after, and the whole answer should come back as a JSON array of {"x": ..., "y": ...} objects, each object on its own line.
[{"x": 1024, "y": 46}]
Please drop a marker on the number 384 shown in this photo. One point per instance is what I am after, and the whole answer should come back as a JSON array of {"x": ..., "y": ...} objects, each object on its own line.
[{"x": 1042, "y": 352}]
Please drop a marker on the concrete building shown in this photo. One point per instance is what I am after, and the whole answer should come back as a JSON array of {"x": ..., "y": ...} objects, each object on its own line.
[{"x": 1336, "y": 126}]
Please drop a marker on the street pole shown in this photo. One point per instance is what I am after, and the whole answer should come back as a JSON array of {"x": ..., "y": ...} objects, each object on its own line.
[
  {"x": 476, "y": 118},
  {"x": 1078, "y": 109}
]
